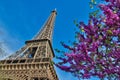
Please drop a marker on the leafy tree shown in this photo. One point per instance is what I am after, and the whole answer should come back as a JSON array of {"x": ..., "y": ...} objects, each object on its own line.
[{"x": 96, "y": 51}]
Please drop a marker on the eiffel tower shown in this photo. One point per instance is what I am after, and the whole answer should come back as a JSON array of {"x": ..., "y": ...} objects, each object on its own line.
[{"x": 34, "y": 60}]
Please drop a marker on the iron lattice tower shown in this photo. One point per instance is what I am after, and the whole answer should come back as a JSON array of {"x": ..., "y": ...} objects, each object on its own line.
[{"x": 32, "y": 61}]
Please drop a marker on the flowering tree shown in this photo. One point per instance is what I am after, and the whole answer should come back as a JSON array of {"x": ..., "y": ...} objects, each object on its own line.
[{"x": 97, "y": 49}]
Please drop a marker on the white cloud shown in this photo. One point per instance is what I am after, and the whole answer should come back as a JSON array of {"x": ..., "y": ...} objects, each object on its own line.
[
  {"x": 4, "y": 51},
  {"x": 4, "y": 46}
]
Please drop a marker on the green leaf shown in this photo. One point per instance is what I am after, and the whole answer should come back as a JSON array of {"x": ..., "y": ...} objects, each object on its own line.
[
  {"x": 93, "y": 2},
  {"x": 52, "y": 63},
  {"x": 109, "y": 32},
  {"x": 76, "y": 22},
  {"x": 57, "y": 50},
  {"x": 107, "y": 41},
  {"x": 91, "y": 6}
]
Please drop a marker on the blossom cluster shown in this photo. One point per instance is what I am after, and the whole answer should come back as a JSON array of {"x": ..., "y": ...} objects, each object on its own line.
[{"x": 97, "y": 49}]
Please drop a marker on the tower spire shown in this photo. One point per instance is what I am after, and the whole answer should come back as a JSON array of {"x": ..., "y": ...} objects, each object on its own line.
[{"x": 47, "y": 29}]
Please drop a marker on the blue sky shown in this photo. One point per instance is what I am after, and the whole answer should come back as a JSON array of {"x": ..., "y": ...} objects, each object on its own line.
[{"x": 20, "y": 20}]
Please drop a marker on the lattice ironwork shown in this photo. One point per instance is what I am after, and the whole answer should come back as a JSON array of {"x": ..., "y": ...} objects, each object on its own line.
[{"x": 33, "y": 61}]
